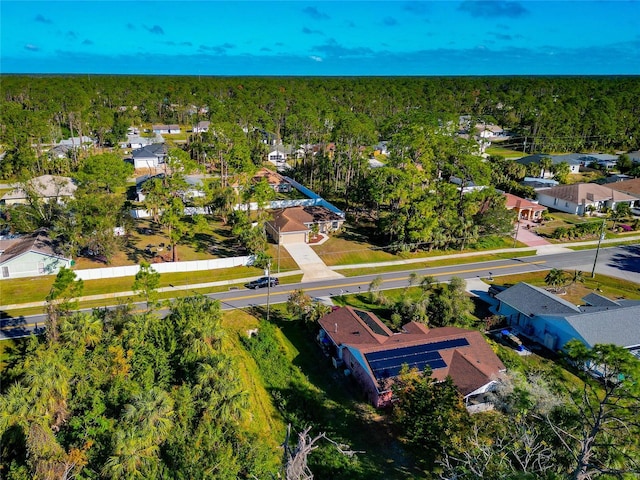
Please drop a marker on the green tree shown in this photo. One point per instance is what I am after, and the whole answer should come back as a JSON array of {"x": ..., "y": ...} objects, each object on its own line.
[
  {"x": 555, "y": 278},
  {"x": 146, "y": 284},
  {"x": 104, "y": 172},
  {"x": 561, "y": 171},
  {"x": 431, "y": 414},
  {"x": 605, "y": 440},
  {"x": 62, "y": 299}
]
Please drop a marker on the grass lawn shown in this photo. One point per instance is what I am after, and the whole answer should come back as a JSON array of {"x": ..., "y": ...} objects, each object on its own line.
[
  {"x": 347, "y": 249},
  {"x": 149, "y": 242},
  {"x": 263, "y": 419},
  {"x": 610, "y": 287},
  {"x": 354, "y": 272},
  {"x": 504, "y": 152},
  {"x": 34, "y": 289}
]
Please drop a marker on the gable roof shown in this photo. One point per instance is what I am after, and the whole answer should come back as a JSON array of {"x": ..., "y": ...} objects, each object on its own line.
[
  {"x": 45, "y": 186},
  {"x": 531, "y": 300},
  {"x": 579, "y": 193},
  {"x": 38, "y": 243}
]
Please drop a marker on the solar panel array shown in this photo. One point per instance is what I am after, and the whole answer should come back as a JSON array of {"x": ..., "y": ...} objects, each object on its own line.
[
  {"x": 388, "y": 363},
  {"x": 371, "y": 323}
]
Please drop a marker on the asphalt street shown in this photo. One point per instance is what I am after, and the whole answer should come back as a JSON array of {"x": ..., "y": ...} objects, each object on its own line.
[{"x": 622, "y": 262}]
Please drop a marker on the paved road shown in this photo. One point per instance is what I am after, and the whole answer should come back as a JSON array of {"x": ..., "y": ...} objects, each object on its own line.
[{"x": 624, "y": 262}]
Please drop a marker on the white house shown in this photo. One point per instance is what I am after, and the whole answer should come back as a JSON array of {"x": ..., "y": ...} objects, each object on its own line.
[
  {"x": 202, "y": 126},
  {"x": 150, "y": 156},
  {"x": 168, "y": 129},
  {"x": 29, "y": 257},
  {"x": 579, "y": 198}
]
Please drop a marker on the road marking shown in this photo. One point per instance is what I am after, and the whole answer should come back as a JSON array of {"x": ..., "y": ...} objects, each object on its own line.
[
  {"x": 338, "y": 286},
  {"x": 353, "y": 284}
]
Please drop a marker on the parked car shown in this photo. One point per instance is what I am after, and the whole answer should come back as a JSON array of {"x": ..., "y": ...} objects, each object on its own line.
[{"x": 262, "y": 282}]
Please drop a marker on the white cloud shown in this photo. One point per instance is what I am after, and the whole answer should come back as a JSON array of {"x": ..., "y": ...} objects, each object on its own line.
[{"x": 315, "y": 59}]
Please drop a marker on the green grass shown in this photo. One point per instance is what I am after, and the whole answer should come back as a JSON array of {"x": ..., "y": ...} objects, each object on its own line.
[
  {"x": 354, "y": 272},
  {"x": 504, "y": 152},
  {"x": 339, "y": 251},
  {"x": 35, "y": 289},
  {"x": 614, "y": 288}
]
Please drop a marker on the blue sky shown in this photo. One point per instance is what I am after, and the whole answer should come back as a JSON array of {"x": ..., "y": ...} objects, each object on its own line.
[{"x": 477, "y": 37}]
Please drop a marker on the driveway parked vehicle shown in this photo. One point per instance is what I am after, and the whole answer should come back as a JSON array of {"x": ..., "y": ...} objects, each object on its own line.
[{"x": 262, "y": 282}]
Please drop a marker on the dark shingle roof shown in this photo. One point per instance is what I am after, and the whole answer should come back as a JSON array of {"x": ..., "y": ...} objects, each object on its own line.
[
  {"x": 532, "y": 300},
  {"x": 599, "y": 301}
]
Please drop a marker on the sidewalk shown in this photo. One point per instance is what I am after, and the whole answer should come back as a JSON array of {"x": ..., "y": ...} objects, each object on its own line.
[{"x": 322, "y": 269}]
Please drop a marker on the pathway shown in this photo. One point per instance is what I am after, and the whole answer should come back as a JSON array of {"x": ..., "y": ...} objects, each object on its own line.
[{"x": 312, "y": 266}]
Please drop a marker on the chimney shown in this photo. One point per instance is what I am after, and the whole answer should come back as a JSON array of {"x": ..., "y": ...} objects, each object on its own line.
[{"x": 335, "y": 328}]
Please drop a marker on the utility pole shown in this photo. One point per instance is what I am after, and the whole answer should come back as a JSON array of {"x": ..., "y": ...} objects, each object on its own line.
[
  {"x": 268, "y": 286},
  {"x": 595, "y": 260}
]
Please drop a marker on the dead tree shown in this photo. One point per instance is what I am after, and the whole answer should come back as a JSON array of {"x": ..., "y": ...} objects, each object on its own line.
[{"x": 295, "y": 458}]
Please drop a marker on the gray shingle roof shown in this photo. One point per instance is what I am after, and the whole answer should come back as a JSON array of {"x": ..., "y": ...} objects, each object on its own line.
[
  {"x": 532, "y": 300},
  {"x": 618, "y": 325},
  {"x": 599, "y": 301}
]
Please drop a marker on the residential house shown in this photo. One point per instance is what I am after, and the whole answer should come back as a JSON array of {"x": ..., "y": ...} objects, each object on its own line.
[
  {"x": 135, "y": 141},
  {"x": 527, "y": 210},
  {"x": 628, "y": 187},
  {"x": 194, "y": 187},
  {"x": 579, "y": 198},
  {"x": 202, "y": 127},
  {"x": 279, "y": 154},
  {"x": 360, "y": 343},
  {"x": 488, "y": 130},
  {"x": 166, "y": 129},
  {"x": 30, "y": 256},
  {"x": 60, "y": 151},
  {"x": 77, "y": 142},
  {"x": 538, "y": 183},
  {"x": 553, "y": 321},
  {"x": 150, "y": 156},
  {"x": 46, "y": 187},
  {"x": 275, "y": 180},
  {"x": 296, "y": 224},
  {"x": 574, "y": 160}
]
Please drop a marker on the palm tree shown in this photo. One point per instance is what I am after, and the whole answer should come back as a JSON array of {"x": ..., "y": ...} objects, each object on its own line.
[
  {"x": 577, "y": 277},
  {"x": 555, "y": 278},
  {"x": 82, "y": 329}
]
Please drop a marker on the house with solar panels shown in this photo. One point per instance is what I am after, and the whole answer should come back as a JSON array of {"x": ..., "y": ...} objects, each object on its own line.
[{"x": 374, "y": 355}]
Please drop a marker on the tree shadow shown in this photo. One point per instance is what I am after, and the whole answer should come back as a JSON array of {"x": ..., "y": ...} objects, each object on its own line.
[{"x": 627, "y": 260}]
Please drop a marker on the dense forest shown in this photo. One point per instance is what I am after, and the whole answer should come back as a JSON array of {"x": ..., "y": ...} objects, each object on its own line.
[{"x": 335, "y": 122}]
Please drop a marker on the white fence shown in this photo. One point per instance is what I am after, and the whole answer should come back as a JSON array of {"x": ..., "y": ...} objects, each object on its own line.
[{"x": 168, "y": 267}]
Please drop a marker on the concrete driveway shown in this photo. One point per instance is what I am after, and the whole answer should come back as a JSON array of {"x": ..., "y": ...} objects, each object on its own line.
[{"x": 312, "y": 266}]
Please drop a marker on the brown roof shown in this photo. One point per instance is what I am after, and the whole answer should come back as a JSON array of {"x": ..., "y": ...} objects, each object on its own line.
[
  {"x": 38, "y": 243},
  {"x": 632, "y": 187},
  {"x": 296, "y": 219},
  {"x": 512, "y": 202},
  {"x": 272, "y": 177},
  {"x": 586, "y": 192},
  {"x": 470, "y": 367}
]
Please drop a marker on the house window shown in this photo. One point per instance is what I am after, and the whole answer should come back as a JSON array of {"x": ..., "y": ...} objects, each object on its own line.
[
  {"x": 41, "y": 268},
  {"x": 555, "y": 201},
  {"x": 334, "y": 225},
  {"x": 566, "y": 204},
  {"x": 5, "y": 272}
]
